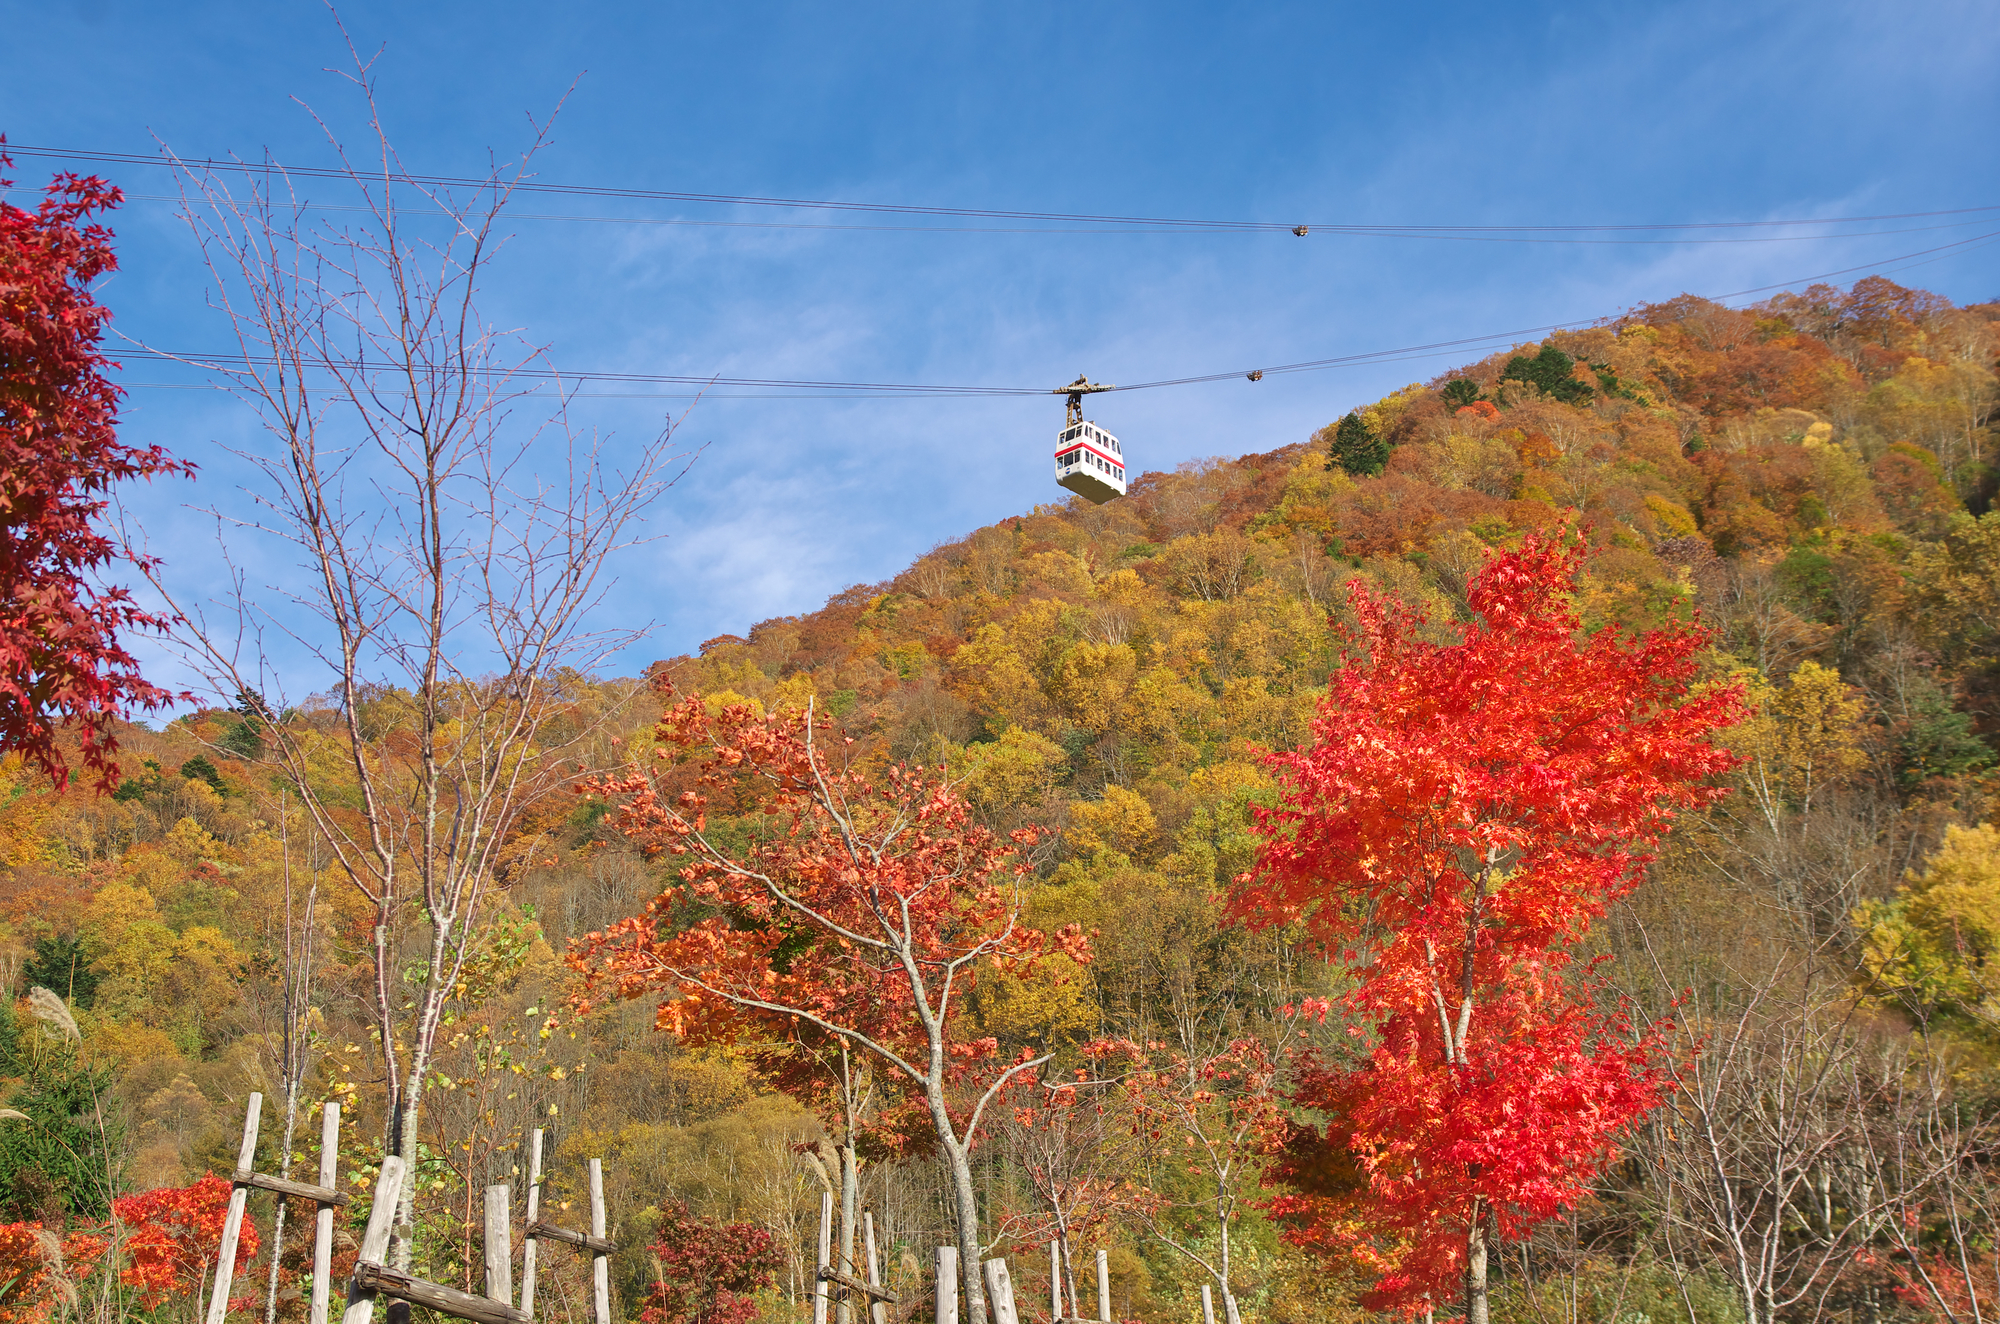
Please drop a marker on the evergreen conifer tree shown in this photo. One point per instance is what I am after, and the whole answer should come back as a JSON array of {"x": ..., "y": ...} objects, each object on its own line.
[{"x": 1356, "y": 448}]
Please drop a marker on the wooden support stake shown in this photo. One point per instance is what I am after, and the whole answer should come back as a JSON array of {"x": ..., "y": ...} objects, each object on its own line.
[
  {"x": 1207, "y": 1304},
  {"x": 947, "y": 1285},
  {"x": 581, "y": 1240},
  {"x": 878, "y": 1312},
  {"x": 232, "y": 1223},
  {"x": 279, "y": 1186},
  {"x": 534, "y": 1212},
  {"x": 600, "y": 1263},
  {"x": 877, "y": 1309},
  {"x": 857, "y": 1286},
  {"x": 374, "y": 1241},
  {"x": 1055, "y": 1281},
  {"x": 499, "y": 1245},
  {"x": 434, "y": 1296},
  {"x": 825, "y": 1251},
  {"x": 329, "y": 1171},
  {"x": 1104, "y": 1287},
  {"x": 1000, "y": 1292}
]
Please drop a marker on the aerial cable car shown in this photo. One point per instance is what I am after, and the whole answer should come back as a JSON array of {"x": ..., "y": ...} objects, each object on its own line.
[{"x": 1089, "y": 461}]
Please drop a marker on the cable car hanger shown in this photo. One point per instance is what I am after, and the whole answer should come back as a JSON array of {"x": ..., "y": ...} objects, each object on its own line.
[{"x": 1076, "y": 390}]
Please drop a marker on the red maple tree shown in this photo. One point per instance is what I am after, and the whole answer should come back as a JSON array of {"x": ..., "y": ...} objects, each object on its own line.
[
  {"x": 860, "y": 909},
  {"x": 61, "y": 661},
  {"x": 1463, "y": 814}
]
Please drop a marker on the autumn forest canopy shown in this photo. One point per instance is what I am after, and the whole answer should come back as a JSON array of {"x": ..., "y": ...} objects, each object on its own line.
[{"x": 1528, "y": 850}]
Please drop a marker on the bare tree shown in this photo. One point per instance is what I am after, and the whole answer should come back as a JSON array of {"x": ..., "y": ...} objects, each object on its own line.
[
  {"x": 1930, "y": 1164},
  {"x": 450, "y": 550},
  {"x": 1764, "y": 1147}
]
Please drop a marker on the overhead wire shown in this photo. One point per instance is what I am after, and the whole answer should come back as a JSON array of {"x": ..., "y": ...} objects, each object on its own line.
[
  {"x": 574, "y": 382},
  {"x": 1351, "y": 360},
  {"x": 768, "y": 388},
  {"x": 1037, "y": 221},
  {"x": 1346, "y": 232}
]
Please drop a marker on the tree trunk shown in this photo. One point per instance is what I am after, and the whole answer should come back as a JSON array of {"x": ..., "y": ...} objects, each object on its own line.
[
  {"x": 277, "y": 1247},
  {"x": 1230, "y": 1314},
  {"x": 965, "y": 1210},
  {"x": 850, "y": 1200},
  {"x": 403, "y": 1248},
  {"x": 1475, "y": 1267}
]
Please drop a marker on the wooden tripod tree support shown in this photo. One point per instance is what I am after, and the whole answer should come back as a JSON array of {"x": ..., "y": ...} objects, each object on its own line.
[
  {"x": 601, "y": 1249},
  {"x": 947, "y": 1285},
  {"x": 372, "y": 1279},
  {"x": 1058, "y": 1252},
  {"x": 878, "y": 1297},
  {"x": 246, "y": 1179}
]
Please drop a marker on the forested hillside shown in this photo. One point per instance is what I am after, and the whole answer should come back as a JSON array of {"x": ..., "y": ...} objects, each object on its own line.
[{"x": 1809, "y": 479}]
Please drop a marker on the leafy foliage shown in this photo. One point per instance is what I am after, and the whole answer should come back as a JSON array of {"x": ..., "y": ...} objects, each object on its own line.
[
  {"x": 708, "y": 1272},
  {"x": 175, "y": 1235},
  {"x": 60, "y": 656},
  {"x": 59, "y": 962},
  {"x": 62, "y": 1161},
  {"x": 1553, "y": 371},
  {"x": 1463, "y": 814}
]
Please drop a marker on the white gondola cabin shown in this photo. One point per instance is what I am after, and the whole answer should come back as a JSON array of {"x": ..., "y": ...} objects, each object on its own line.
[{"x": 1090, "y": 463}]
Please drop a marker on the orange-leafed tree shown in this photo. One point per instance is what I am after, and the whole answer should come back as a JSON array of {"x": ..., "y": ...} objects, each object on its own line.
[
  {"x": 62, "y": 662},
  {"x": 160, "y": 1246},
  {"x": 861, "y": 908},
  {"x": 174, "y": 1236},
  {"x": 1462, "y": 815}
]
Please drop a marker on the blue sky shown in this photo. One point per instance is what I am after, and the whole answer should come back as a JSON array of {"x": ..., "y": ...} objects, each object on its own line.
[{"x": 1325, "y": 113}]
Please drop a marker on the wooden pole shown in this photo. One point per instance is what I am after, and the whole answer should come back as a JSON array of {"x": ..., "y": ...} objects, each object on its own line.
[
  {"x": 1000, "y": 1292},
  {"x": 534, "y": 1212},
  {"x": 600, "y": 1263},
  {"x": 1104, "y": 1287},
  {"x": 878, "y": 1309},
  {"x": 232, "y": 1223},
  {"x": 825, "y": 1250},
  {"x": 1207, "y": 1304},
  {"x": 499, "y": 1245},
  {"x": 329, "y": 1170},
  {"x": 947, "y": 1285},
  {"x": 375, "y": 1240},
  {"x": 1055, "y": 1283}
]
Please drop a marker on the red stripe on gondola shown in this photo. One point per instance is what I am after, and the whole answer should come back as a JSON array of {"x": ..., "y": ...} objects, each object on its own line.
[{"x": 1105, "y": 456}]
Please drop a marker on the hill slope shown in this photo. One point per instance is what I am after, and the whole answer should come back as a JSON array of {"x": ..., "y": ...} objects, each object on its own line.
[{"x": 1812, "y": 476}]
